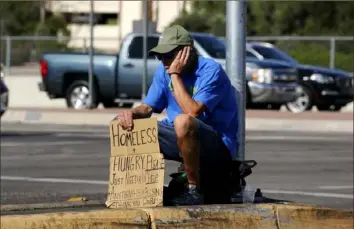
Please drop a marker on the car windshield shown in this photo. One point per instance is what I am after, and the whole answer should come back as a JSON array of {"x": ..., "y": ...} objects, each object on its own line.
[
  {"x": 212, "y": 45},
  {"x": 273, "y": 53}
]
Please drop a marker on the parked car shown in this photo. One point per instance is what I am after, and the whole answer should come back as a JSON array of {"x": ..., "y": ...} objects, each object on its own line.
[
  {"x": 327, "y": 89},
  {"x": 2, "y": 71},
  {"x": 4, "y": 96},
  {"x": 268, "y": 82},
  {"x": 118, "y": 78}
]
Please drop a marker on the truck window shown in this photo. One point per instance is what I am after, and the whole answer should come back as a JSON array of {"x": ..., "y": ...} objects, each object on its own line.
[
  {"x": 273, "y": 53},
  {"x": 136, "y": 47},
  {"x": 249, "y": 54},
  {"x": 212, "y": 45}
]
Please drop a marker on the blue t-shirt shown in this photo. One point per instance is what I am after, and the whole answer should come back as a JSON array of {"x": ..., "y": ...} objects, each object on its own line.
[{"x": 209, "y": 85}]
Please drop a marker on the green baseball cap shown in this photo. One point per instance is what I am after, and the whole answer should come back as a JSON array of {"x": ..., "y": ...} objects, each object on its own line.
[{"x": 171, "y": 38}]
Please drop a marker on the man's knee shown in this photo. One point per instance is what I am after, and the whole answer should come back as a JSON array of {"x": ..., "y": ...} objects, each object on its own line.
[{"x": 185, "y": 126}]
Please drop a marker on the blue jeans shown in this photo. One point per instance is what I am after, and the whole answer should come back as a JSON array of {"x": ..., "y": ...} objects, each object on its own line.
[{"x": 213, "y": 151}]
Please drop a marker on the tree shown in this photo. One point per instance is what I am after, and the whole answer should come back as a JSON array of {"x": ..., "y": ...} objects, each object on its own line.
[
  {"x": 272, "y": 18},
  {"x": 209, "y": 17},
  {"x": 20, "y": 18},
  {"x": 23, "y": 18},
  {"x": 279, "y": 18}
]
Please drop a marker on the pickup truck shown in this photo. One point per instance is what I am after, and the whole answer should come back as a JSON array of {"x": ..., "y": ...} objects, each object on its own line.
[
  {"x": 4, "y": 92},
  {"x": 327, "y": 89},
  {"x": 118, "y": 78}
]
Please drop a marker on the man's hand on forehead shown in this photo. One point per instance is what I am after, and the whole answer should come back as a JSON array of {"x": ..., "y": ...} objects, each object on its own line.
[{"x": 180, "y": 60}]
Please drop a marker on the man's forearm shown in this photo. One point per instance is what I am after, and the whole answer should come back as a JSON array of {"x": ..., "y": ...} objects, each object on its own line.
[
  {"x": 142, "y": 111},
  {"x": 184, "y": 100}
]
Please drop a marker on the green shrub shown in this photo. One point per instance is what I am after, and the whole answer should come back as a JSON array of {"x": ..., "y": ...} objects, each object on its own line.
[{"x": 318, "y": 53}]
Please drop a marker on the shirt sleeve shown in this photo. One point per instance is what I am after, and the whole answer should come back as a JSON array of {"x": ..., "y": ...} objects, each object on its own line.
[
  {"x": 212, "y": 88},
  {"x": 156, "y": 97}
]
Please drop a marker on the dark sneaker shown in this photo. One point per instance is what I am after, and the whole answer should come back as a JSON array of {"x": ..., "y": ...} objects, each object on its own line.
[{"x": 190, "y": 196}]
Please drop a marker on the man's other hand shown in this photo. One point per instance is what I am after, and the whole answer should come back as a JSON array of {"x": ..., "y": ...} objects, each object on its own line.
[{"x": 125, "y": 119}]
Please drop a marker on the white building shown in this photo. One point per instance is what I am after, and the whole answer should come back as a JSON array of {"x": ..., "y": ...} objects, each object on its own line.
[{"x": 114, "y": 19}]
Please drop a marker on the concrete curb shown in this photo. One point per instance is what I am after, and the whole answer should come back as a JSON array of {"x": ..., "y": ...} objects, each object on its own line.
[
  {"x": 255, "y": 216},
  {"x": 103, "y": 118},
  {"x": 15, "y": 208}
]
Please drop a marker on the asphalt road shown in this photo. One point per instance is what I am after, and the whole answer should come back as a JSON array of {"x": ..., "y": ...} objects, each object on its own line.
[{"x": 45, "y": 163}]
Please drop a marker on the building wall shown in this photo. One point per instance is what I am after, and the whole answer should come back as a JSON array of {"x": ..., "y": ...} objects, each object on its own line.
[
  {"x": 108, "y": 36},
  {"x": 83, "y": 6},
  {"x": 167, "y": 12},
  {"x": 105, "y": 37}
]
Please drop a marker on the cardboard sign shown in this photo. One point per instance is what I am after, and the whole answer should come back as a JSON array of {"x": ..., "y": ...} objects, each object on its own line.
[{"x": 136, "y": 173}]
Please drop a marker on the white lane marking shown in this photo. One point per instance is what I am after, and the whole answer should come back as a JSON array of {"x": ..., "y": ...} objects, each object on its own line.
[
  {"x": 53, "y": 180},
  {"x": 315, "y": 194},
  {"x": 333, "y": 187},
  {"x": 96, "y": 182},
  {"x": 297, "y": 138},
  {"x": 254, "y": 138},
  {"x": 83, "y": 135},
  {"x": 39, "y": 144}
]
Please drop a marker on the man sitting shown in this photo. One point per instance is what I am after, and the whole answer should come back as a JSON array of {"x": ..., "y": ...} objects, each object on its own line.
[{"x": 201, "y": 125}]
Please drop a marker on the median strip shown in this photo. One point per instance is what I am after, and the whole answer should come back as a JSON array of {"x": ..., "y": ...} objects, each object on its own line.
[
  {"x": 267, "y": 121},
  {"x": 255, "y": 216}
]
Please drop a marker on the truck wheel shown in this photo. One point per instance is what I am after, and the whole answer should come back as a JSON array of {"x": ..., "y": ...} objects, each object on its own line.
[
  {"x": 303, "y": 102},
  {"x": 248, "y": 98},
  {"x": 77, "y": 96},
  {"x": 109, "y": 103},
  {"x": 329, "y": 107},
  {"x": 275, "y": 106},
  {"x": 126, "y": 105}
]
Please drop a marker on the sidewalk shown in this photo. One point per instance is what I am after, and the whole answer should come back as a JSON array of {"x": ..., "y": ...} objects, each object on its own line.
[
  {"x": 26, "y": 94},
  {"x": 255, "y": 120}
]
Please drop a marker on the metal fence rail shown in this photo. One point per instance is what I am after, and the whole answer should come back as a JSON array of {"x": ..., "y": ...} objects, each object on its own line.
[
  {"x": 331, "y": 39},
  {"x": 17, "y": 50}
]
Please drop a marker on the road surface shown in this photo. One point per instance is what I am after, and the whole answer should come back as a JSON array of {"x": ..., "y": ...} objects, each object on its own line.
[{"x": 46, "y": 163}]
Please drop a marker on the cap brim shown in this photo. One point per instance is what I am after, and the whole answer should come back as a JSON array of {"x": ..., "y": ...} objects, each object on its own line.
[{"x": 162, "y": 49}]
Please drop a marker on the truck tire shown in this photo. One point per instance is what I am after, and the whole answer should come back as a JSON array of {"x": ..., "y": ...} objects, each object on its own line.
[
  {"x": 329, "y": 107},
  {"x": 125, "y": 105},
  {"x": 77, "y": 96},
  {"x": 303, "y": 103},
  {"x": 109, "y": 103},
  {"x": 248, "y": 99},
  {"x": 275, "y": 106}
]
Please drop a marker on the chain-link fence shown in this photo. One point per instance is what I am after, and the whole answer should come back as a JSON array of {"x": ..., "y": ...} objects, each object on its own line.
[
  {"x": 334, "y": 52},
  {"x": 19, "y": 50}
]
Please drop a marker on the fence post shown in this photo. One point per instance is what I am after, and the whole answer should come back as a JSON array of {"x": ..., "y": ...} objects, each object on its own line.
[
  {"x": 8, "y": 55},
  {"x": 85, "y": 45},
  {"x": 333, "y": 52}
]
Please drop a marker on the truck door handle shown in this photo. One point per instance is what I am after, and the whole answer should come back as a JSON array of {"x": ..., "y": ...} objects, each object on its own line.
[{"x": 128, "y": 65}]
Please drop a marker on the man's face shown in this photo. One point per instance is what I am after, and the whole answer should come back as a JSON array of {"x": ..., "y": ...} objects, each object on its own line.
[{"x": 168, "y": 58}]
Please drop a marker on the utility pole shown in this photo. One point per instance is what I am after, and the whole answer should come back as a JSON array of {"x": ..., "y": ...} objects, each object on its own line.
[
  {"x": 235, "y": 62},
  {"x": 119, "y": 19},
  {"x": 91, "y": 87},
  {"x": 145, "y": 32},
  {"x": 1, "y": 35},
  {"x": 42, "y": 11}
]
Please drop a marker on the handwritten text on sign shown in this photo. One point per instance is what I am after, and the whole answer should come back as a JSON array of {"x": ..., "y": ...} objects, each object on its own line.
[
  {"x": 141, "y": 140},
  {"x": 136, "y": 166},
  {"x": 136, "y": 181}
]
